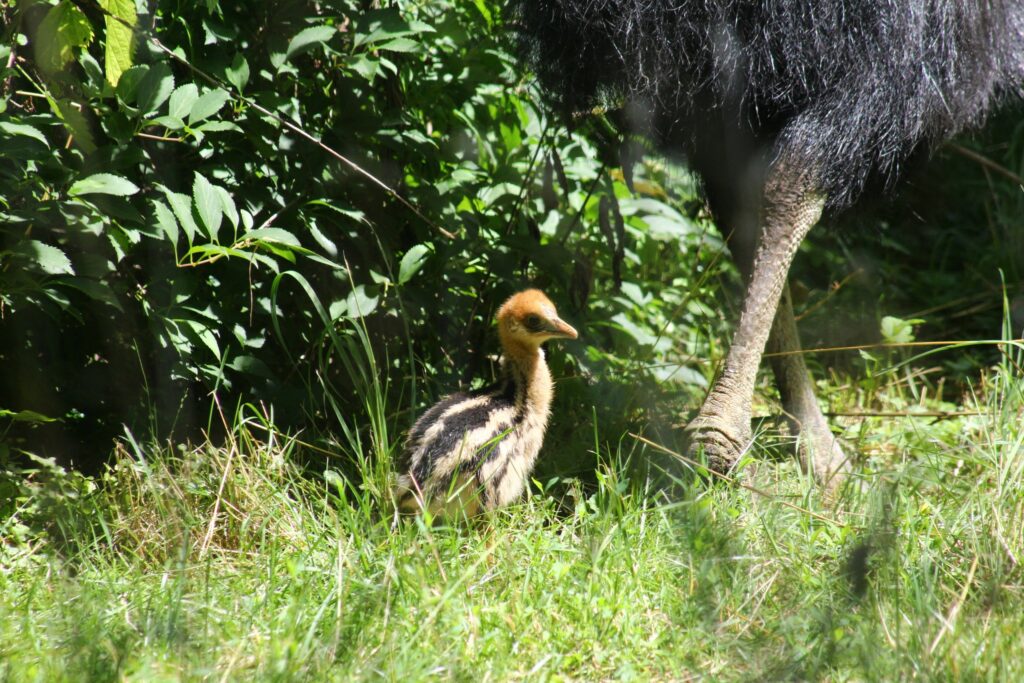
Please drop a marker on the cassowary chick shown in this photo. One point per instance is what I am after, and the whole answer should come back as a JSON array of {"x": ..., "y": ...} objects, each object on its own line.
[{"x": 474, "y": 451}]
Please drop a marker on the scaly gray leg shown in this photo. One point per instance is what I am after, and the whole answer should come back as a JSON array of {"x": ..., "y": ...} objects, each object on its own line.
[
  {"x": 819, "y": 450},
  {"x": 722, "y": 427}
]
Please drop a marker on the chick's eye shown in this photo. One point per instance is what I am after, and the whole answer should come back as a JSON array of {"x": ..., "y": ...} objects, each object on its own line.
[{"x": 533, "y": 322}]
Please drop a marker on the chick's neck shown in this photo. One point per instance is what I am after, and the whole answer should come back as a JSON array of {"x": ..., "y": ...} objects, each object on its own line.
[{"x": 524, "y": 364}]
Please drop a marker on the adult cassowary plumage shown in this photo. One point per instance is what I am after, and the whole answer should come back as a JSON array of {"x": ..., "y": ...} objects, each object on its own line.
[{"x": 785, "y": 109}]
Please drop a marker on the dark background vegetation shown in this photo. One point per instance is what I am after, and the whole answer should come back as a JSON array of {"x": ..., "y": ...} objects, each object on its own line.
[{"x": 173, "y": 238}]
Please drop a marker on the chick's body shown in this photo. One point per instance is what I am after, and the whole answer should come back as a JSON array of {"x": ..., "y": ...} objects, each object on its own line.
[{"x": 475, "y": 451}]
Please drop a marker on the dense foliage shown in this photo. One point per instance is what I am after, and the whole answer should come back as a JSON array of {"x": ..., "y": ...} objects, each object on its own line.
[{"x": 281, "y": 204}]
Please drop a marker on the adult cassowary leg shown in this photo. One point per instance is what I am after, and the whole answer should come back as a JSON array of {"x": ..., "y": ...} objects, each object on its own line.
[
  {"x": 820, "y": 451},
  {"x": 722, "y": 427}
]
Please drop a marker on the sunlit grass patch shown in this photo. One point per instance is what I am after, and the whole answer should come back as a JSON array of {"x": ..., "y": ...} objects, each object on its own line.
[{"x": 237, "y": 563}]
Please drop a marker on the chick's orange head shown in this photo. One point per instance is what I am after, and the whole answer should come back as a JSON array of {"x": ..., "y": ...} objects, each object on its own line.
[{"x": 529, "y": 317}]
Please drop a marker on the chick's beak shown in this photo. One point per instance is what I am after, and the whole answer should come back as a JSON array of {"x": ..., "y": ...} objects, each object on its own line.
[{"x": 560, "y": 328}]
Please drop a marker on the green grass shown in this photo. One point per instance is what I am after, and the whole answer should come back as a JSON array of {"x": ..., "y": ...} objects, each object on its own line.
[{"x": 235, "y": 563}]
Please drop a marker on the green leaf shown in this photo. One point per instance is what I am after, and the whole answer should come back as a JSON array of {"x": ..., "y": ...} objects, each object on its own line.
[
  {"x": 238, "y": 73},
  {"x": 128, "y": 87},
  {"x": 204, "y": 251},
  {"x": 120, "y": 37},
  {"x": 680, "y": 374},
  {"x": 869, "y": 357},
  {"x": 365, "y": 66},
  {"x": 23, "y": 129},
  {"x": 76, "y": 122},
  {"x": 26, "y": 416},
  {"x": 169, "y": 122},
  {"x": 899, "y": 331},
  {"x": 639, "y": 335},
  {"x": 181, "y": 204},
  {"x": 208, "y": 204},
  {"x": 273, "y": 235},
  {"x": 387, "y": 24},
  {"x": 103, "y": 183},
  {"x": 412, "y": 262},
  {"x": 252, "y": 366},
  {"x": 308, "y": 38},
  {"x": 205, "y": 334},
  {"x": 359, "y": 303},
  {"x": 50, "y": 260},
  {"x": 165, "y": 221},
  {"x": 401, "y": 45},
  {"x": 154, "y": 88},
  {"x": 91, "y": 68},
  {"x": 217, "y": 126},
  {"x": 64, "y": 28},
  {"x": 635, "y": 294},
  {"x": 207, "y": 105},
  {"x": 97, "y": 290},
  {"x": 665, "y": 229},
  {"x": 317, "y": 258},
  {"x": 227, "y": 203},
  {"x": 485, "y": 12},
  {"x": 182, "y": 99}
]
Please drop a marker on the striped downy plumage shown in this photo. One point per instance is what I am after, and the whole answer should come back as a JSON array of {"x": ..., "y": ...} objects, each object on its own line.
[{"x": 474, "y": 451}]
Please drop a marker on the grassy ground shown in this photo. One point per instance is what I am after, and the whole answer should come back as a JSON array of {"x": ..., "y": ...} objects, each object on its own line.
[{"x": 234, "y": 563}]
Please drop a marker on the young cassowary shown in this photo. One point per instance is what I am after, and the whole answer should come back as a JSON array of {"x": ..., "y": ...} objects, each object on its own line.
[
  {"x": 786, "y": 109},
  {"x": 475, "y": 450}
]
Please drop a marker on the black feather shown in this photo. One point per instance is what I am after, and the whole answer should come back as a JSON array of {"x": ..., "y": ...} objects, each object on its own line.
[{"x": 845, "y": 90}]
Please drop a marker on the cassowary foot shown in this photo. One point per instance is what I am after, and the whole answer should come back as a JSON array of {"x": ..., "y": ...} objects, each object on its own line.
[
  {"x": 822, "y": 453},
  {"x": 719, "y": 441}
]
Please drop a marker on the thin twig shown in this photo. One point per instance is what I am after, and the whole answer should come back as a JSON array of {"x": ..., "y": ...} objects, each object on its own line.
[
  {"x": 905, "y": 413},
  {"x": 161, "y": 138},
  {"x": 986, "y": 162},
  {"x": 890, "y": 345},
  {"x": 735, "y": 482}
]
